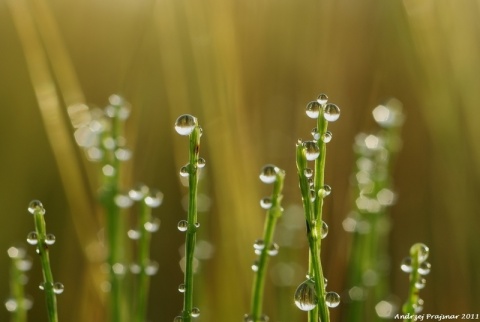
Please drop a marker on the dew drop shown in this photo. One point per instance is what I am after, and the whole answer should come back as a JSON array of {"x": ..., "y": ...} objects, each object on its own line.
[
  {"x": 266, "y": 203},
  {"x": 123, "y": 154},
  {"x": 332, "y": 299},
  {"x": 151, "y": 268},
  {"x": 197, "y": 225},
  {"x": 424, "y": 268},
  {"x": 313, "y": 109},
  {"x": 138, "y": 192},
  {"x": 264, "y": 318},
  {"x": 94, "y": 154},
  {"x": 420, "y": 283},
  {"x": 58, "y": 288},
  {"x": 23, "y": 264},
  {"x": 108, "y": 170},
  {"x": 324, "y": 231},
  {"x": 118, "y": 269},
  {"x": 327, "y": 137},
  {"x": 32, "y": 238},
  {"x": 259, "y": 244},
  {"x": 315, "y": 134},
  {"x": 178, "y": 318},
  {"x": 123, "y": 201},
  {"x": 135, "y": 268},
  {"x": 308, "y": 172},
  {"x": 184, "y": 171},
  {"x": 311, "y": 150},
  {"x": 255, "y": 266},
  {"x": 41, "y": 286},
  {"x": 322, "y": 98},
  {"x": 269, "y": 173},
  {"x": 201, "y": 163},
  {"x": 406, "y": 265},
  {"x": 133, "y": 234},
  {"x": 305, "y": 296},
  {"x": 185, "y": 124},
  {"x": 325, "y": 191},
  {"x": 312, "y": 195},
  {"x": 420, "y": 250},
  {"x": 248, "y": 318},
  {"x": 36, "y": 207},
  {"x": 50, "y": 239},
  {"x": 181, "y": 288},
  {"x": 16, "y": 252},
  {"x": 331, "y": 112},
  {"x": 154, "y": 199},
  {"x": 182, "y": 225},
  {"x": 152, "y": 226},
  {"x": 11, "y": 305},
  {"x": 273, "y": 249},
  {"x": 195, "y": 312}
]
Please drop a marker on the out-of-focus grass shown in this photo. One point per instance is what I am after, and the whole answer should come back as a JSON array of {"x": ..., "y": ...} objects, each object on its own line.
[{"x": 245, "y": 69}]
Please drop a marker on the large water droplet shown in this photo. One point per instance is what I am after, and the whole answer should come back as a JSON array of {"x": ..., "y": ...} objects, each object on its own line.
[
  {"x": 201, "y": 163},
  {"x": 308, "y": 172},
  {"x": 331, "y": 112},
  {"x": 154, "y": 199},
  {"x": 326, "y": 190},
  {"x": 184, "y": 171},
  {"x": 32, "y": 238},
  {"x": 311, "y": 150},
  {"x": 322, "y": 98},
  {"x": 182, "y": 225},
  {"x": 259, "y": 244},
  {"x": 185, "y": 124},
  {"x": 58, "y": 288},
  {"x": 195, "y": 312},
  {"x": 406, "y": 265},
  {"x": 269, "y": 173},
  {"x": 50, "y": 239},
  {"x": 181, "y": 288},
  {"x": 138, "y": 192},
  {"x": 313, "y": 109},
  {"x": 327, "y": 137},
  {"x": 266, "y": 203},
  {"x": 324, "y": 231},
  {"x": 273, "y": 249},
  {"x": 332, "y": 299},
  {"x": 36, "y": 207},
  {"x": 424, "y": 268},
  {"x": 421, "y": 250},
  {"x": 152, "y": 226},
  {"x": 305, "y": 296}
]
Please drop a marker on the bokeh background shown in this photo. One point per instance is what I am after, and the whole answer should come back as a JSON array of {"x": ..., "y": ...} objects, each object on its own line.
[{"x": 246, "y": 69}]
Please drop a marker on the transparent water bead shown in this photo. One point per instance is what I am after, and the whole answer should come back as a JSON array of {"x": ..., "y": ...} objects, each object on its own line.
[
  {"x": 123, "y": 201},
  {"x": 332, "y": 299},
  {"x": 123, "y": 154},
  {"x": 135, "y": 268},
  {"x": 305, "y": 296},
  {"x": 311, "y": 150},
  {"x": 273, "y": 249},
  {"x": 313, "y": 109},
  {"x": 24, "y": 264},
  {"x": 322, "y": 98},
  {"x": 178, "y": 318},
  {"x": 248, "y": 318},
  {"x": 32, "y": 238},
  {"x": 185, "y": 124},
  {"x": 182, "y": 225},
  {"x": 421, "y": 250},
  {"x": 324, "y": 231},
  {"x": 327, "y": 137},
  {"x": 259, "y": 244},
  {"x": 58, "y": 288},
  {"x": 36, "y": 207},
  {"x": 134, "y": 234},
  {"x": 406, "y": 265},
  {"x": 268, "y": 173},
  {"x": 201, "y": 163},
  {"x": 16, "y": 252},
  {"x": 331, "y": 112},
  {"x": 420, "y": 283},
  {"x": 50, "y": 239},
  {"x": 424, "y": 268},
  {"x": 138, "y": 192},
  {"x": 151, "y": 268},
  {"x": 325, "y": 191},
  {"x": 315, "y": 134},
  {"x": 195, "y": 312},
  {"x": 266, "y": 203},
  {"x": 184, "y": 171},
  {"x": 181, "y": 288},
  {"x": 308, "y": 172},
  {"x": 255, "y": 266},
  {"x": 313, "y": 195},
  {"x": 154, "y": 199},
  {"x": 152, "y": 226}
]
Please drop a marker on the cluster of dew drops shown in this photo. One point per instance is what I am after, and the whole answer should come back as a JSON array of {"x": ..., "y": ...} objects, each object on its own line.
[
  {"x": 22, "y": 265},
  {"x": 36, "y": 207},
  {"x": 306, "y": 298},
  {"x": 421, "y": 251},
  {"x": 185, "y": 125}
]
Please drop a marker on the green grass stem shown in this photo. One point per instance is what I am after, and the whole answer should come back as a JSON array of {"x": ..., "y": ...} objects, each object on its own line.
[
  {"x": 273, "y": 213},
  {"x": 17, "y": 304}
]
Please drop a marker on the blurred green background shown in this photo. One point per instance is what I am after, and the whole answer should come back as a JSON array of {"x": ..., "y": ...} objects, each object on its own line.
[{"x": 246, "y": 69}]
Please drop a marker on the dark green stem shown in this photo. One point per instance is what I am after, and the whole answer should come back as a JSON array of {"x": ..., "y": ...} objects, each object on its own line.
[{"x": 269, "y": 229}]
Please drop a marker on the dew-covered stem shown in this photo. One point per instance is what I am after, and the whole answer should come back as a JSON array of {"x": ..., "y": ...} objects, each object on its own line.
[
  {"x": 17, "y": 304},
  {"x": 37, "y": 210},
  {"x": 144, "y": 261},
  {"x": 273, "y": 213}
]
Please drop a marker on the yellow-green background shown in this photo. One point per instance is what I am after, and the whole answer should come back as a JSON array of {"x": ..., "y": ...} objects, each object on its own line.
[{"x": 246, "y": 69}]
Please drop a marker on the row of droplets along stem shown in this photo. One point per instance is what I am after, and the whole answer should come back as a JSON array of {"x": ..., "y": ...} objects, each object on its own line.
[
  {"x": 311, "y": 295},
  {"x": 18, "y": 303},
  {"x": 265, "y": 247},
  {"x": 187, "y": 125}
]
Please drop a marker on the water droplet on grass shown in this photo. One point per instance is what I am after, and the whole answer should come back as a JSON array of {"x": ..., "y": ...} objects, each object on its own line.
[
  {"x": 315, "y": 134},
  {"x": 32, "y": 238},
  {"x": 308, "y": 172},
  {"x": 420, "y": 283},
  {"x": 266, "y": 203},
  {"x": 185, "y": 124},
  {"x": 154, "y": 199},
  {"x": 421, "y": 250},
  {"x": 184, "y": 171},
  {"x": 123, "y": 201},
  {"x": 325, "y": 191},
  {"x": 327, "y": 137},
  {"x": 151, "y": 268},
  {"x": 311, "y": 150},
  {"x": 273, "y": 249},
  {"x": 50, "y": 239},
  {"x": 406, "y": 265},
  {"x": 331, "y": 112},
  {"x": 178, "y": 319},
  {"x": 138, "y": 192},
  {"x": 305, "y": 296},
  {"x": 269, "y": 173},
  {"x": 313, "y": 109},
  {"x": 424, "y": 268},
  {"x": 36, "y": 207},
  {"x": 133, "y": 234},
  {"x": 255, "y": 266},
  {"x": 259, "y": 244},
  {"x": 201, "y": 163},
  {"x": 182, "y": 225},
  {"x": 181, "y": 288},
  {"x": 195, "y": 312},
  {"x": 324, "y": 231},
  {"x": 322, "y": 98},
  {"x": 58, "y": 288},
  {"x": 11, "y": 305},
  {"x": 152, "y": 226},
  {"x": 332, "y": 299}
]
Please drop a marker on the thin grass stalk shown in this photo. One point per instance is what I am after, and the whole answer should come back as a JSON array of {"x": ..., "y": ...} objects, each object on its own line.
[
  {"x": 36, "y": 208},
  {"x": 17, "y": 304},
  {"x": 273, "y": 213}
]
